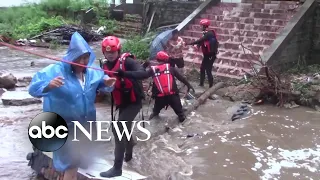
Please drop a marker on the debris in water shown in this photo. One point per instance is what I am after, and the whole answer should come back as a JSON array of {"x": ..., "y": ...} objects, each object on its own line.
[{"x": 192, "y": 135}]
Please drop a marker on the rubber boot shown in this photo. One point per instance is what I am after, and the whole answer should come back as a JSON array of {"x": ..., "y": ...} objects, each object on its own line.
[
  {"x": 113, "y": 172},
  {"x": 129, "y": 150},
  {"x": 210, "y": 82},
  {"x": 127, "y": 157},
  {"x": 182, "y": 118}
]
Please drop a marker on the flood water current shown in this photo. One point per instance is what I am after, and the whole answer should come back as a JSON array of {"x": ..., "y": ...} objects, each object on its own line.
[{"x": 269, "y": 143}]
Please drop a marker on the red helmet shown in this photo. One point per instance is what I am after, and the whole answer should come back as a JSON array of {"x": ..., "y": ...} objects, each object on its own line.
[
  {"x": 204, "y": 22},
  {"x": 110, "y": 44},
  {"x": 162, "y": 56}
]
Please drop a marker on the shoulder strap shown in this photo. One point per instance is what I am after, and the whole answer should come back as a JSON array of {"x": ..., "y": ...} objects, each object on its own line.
[{"x": 123, "y": 57}]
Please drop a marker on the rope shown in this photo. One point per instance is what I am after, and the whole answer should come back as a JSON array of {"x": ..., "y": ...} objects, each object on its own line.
[{"x": 52, "y": 58}]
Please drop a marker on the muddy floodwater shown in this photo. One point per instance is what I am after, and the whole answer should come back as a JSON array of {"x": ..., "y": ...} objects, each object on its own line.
[{"x": 269, "y": 143}]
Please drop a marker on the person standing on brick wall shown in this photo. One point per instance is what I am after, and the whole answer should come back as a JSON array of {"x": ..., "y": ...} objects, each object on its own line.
[
  {"x": 209, "y": 46},
  {"x": 174, "y": 49}
]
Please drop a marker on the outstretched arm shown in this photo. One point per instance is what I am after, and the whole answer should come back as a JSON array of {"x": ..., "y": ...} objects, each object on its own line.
[
  {"x": 206, "y": 37},
  {"x": 139, "y": 75},
  {"x": 103, "y": 86},
  {"x": 176, "y": 74},
  {"x": 135, "y": 70}
]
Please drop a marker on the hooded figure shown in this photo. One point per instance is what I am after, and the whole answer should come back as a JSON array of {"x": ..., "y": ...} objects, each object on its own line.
[{"x": 70, "y": 91}]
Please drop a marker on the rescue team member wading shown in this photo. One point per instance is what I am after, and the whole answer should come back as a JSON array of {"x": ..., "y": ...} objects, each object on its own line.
[
  {"x": 70, "y": 91},
  {"x": 164, "y": 88},
  {"x": 127, "y": 96},
  {"x": 209, "y": 46}
]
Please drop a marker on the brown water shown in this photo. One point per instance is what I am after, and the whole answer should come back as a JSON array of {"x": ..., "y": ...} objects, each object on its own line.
[{"x": 270, "y": 143}]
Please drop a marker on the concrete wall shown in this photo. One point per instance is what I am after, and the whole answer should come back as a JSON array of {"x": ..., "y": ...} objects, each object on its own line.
[
  {"x": 304, "y": 44},
  {"x": 172, "y": 12},
  {"x": 299, "y": 48},
  {"x": 316, "y": 36}
]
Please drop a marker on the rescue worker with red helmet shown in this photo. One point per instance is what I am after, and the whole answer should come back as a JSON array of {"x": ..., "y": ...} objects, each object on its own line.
[
  {"x": 164, "y": 88},
  {"x": 209, "y": 46},
  {"x": 127, "y": 96}
]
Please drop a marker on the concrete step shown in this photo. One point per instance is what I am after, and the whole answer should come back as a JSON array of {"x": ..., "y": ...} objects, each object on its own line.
[
  {"x": 230, "y": 25},
  {"x": 234, "y": 32},
  {"x": 236, "y": 47},
  {"x": 234, "y": 71},
  {"x": 246, "y": 20},
  {"x": 233, "y": 56},
  {"x": 245, "y": 63},
  {"x": 220, "y": 10},
  {"x": 239, "y": 15},
  {"x": 130, "y": 24},
  {"x": 260, "y": 5},
  {"x": 237, "y": 39}
]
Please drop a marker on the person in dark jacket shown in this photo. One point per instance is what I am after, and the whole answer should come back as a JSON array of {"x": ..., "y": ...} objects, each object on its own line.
[
  {"x": 164, "y": 88},
  {"x": 209, "y": 45},
  {"x": 127, "y": 96}
]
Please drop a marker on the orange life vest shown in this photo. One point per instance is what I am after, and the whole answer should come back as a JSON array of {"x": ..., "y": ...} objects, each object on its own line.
[
  {"x": 122, "y": 85},
  {"x": 163, "y": 79}
]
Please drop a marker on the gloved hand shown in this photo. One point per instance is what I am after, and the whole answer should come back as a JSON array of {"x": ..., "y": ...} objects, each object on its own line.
[
  {"x": 146, "y": 64},
  {"x": 120, "y": 73}
]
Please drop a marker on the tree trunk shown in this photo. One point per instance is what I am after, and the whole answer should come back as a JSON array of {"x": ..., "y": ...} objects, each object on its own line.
[{"x": 196, "y": 104}]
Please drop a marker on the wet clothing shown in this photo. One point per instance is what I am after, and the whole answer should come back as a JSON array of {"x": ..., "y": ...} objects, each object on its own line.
[
  {"x": 129, "y": 65},
  {"x": 123, "y": 148},
  {"x": 150, "y": 73},
  {"x": 161, "y": 101},
  {"x": 70, "y": 101},
  {"x": 173, "y": 101},
  {"x": 206, "y": 68},
  {"x": 208, "y": 44},
  {"x": 179, "y": 62},
  {"x": 175, "y": 48},
  {"x": 128, "y": 110}
]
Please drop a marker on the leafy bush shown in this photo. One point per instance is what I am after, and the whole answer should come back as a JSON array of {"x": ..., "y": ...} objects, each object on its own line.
[
  {"x": 137, "y": 46},
  {"x": 31, "y": 19},
  {"x": 31, "y": 29}
]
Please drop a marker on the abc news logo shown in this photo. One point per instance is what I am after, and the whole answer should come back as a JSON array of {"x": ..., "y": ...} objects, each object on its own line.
[{"x": 48, "y": 131}]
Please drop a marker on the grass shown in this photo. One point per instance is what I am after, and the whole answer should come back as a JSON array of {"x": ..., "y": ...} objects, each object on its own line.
[{"x": 32, "y": 19}]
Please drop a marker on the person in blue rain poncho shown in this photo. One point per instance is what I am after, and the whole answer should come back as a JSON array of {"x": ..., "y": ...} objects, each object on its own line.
[{"x": 70, "y": 91}]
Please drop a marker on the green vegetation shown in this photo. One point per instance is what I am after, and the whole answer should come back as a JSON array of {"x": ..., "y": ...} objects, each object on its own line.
[
  {"x": 139, "y": 46},
  {"x": 32, "y": 19},
  {"x": 310, "y": 69}
]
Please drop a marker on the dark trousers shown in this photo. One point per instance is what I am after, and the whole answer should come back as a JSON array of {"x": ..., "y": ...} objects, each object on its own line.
[
  {"x": 124, "y": 146},
  {"x": 173, "y": 101},
  {"x": 179, "y": 62},
  {"x": 206, "y": 67}
]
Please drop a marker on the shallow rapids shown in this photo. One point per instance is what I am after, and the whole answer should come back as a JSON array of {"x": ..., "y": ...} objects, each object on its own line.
[{"x": 270, "y": 143}]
